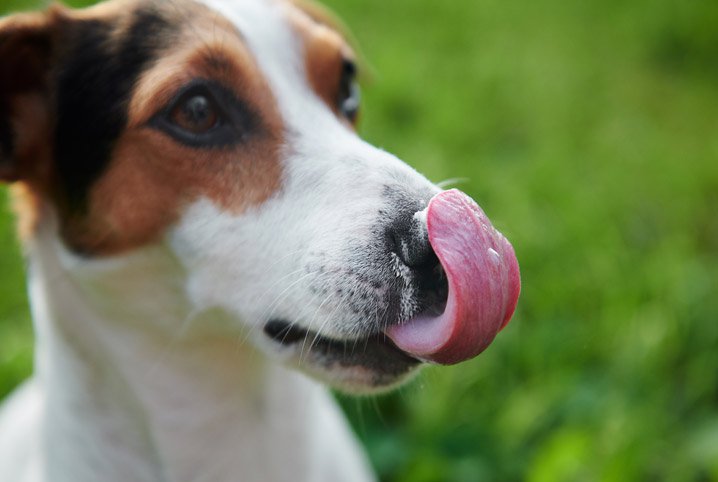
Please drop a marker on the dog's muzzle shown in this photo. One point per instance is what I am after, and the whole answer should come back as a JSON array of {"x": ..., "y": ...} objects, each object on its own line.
[{"x": 464, "y": 284}]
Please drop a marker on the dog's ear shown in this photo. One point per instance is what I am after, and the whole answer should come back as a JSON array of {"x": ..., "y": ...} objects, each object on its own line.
[{"x": 27, "y": 44}]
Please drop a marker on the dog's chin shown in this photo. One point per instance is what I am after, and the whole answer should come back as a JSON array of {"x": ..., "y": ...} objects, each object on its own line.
[{"x": 366, "y": 365}]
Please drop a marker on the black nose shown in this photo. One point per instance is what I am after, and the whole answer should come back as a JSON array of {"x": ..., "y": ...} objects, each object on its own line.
[{"x": 410, "y": 241}]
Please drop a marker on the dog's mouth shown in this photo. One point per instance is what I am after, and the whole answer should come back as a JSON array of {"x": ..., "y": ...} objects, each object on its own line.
[
  {"x": 474, "y": 299},
  {"x": 376, "y": 354}
]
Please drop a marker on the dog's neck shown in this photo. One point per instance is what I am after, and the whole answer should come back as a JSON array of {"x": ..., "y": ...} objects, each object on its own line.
[{"x": 135, "y": 389}]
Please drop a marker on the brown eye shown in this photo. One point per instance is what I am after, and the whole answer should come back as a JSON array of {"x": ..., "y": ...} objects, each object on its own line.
[
  {"x": 206, "y": 115},
  {"x": 196, "y": 113}
]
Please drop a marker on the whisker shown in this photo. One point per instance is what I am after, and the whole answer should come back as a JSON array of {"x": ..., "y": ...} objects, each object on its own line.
[
  {"x": 329, "y": 318},
  {"x": 452, "y": 182},
  {"x": 340, "y": 304},
  {"x": 267, "y": 313}
]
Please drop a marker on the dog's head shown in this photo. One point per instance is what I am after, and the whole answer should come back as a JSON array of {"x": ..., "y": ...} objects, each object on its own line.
[{"x": 223, "y": 130}]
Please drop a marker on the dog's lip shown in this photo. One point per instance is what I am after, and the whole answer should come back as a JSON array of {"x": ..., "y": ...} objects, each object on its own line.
[
  {"x": 377, "y": 349},
  {"x": 284, "y": 332}
]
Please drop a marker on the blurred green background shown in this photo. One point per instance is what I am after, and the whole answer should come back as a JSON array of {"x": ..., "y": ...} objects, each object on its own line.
[{"x": 588, "y": 130}]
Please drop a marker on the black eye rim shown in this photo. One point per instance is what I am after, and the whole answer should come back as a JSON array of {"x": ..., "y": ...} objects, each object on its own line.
[
  {"x": 349, "y": 97},
  {"x": 235, "y": 120}
]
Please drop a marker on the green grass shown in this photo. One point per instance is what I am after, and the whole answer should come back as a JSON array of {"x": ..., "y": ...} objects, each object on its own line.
[{"x": 589, "y": 133}]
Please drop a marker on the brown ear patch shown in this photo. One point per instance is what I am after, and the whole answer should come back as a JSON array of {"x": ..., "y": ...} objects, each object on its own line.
[
  {"x": 25, "y": 46},
  {"x": 26, "y": 49}
]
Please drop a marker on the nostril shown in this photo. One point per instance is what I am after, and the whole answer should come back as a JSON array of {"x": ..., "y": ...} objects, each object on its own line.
[
  {"x": 430, "y": 285},
  {"x": 410, "y": 241},
  {"x": 408, "y": 238}
]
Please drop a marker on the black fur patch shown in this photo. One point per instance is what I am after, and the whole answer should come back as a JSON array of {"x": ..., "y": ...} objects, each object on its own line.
[
  {"x": 94, "y": 82},
  {"x": 6, "y": 135}
]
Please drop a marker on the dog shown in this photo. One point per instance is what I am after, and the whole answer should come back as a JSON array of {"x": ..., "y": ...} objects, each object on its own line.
[{"x": 210, "y": 244}]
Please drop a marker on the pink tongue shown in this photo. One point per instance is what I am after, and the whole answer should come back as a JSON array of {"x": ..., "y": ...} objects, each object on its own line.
[{"x": 484, "y": 284}]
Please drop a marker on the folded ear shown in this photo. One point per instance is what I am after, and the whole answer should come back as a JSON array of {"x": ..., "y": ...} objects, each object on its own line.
[{"x": 26, "y": 51}]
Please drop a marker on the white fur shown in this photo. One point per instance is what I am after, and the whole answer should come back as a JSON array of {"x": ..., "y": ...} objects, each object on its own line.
[
  {"x": 153, "y": 367},
  {"x": 133, "y": 384}
]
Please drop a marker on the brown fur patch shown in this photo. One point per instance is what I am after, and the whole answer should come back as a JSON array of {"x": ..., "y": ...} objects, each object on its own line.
[
  {"x": 26, "y": 52},
  {"x": 32, "y": 155},
  {"x": 151, "y": 176}
]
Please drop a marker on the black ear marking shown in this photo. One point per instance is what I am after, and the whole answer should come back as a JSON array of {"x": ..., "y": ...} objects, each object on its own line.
[{"x": 95, "y": 78}]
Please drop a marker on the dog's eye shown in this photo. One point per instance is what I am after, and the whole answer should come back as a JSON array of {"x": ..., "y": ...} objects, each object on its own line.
[
  {"x": 195, "y": 112},
  {"x": 205, "y": 114},
  {"x": 349, "y": 94}
]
